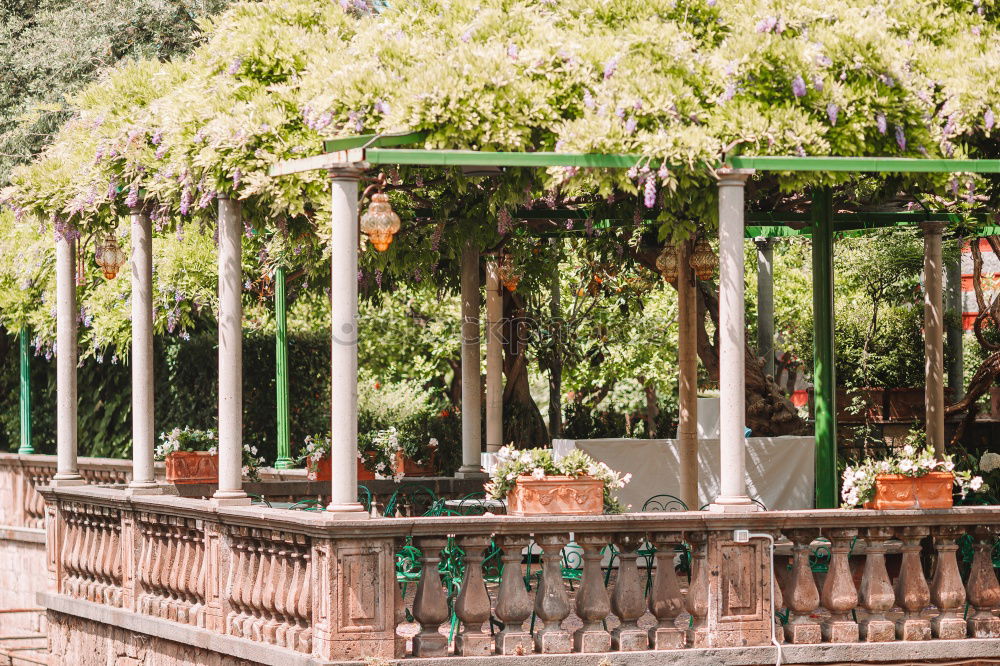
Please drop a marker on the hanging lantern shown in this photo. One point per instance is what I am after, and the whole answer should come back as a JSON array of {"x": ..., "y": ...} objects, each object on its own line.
[
  {"x": 109, "y": 256},
  {"x": 510, "y": 274},
  {"x": 703, "y": 260},
  {"x": 380, "y": 222},
  {"x": 666, "y": 263}
]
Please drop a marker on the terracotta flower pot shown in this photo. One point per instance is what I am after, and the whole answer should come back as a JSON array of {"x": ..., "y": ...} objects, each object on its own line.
[
  {"x": 556, "y": 495},
  {"x": 407, "y": 467},
  {"x": 895, "y": 491},
  {"x": 192, "y": 467},
  {"x": 323, "y": 470}
]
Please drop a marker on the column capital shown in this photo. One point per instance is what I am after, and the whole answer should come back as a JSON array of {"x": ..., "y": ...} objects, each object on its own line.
[
  {"x": 346, "y": 172},
  {"x": 933, "y": 226},
  {"x": 730, "y": 176}
]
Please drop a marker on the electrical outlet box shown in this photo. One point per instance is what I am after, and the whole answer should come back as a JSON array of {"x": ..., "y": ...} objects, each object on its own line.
[{"x": 741, "y": 536}]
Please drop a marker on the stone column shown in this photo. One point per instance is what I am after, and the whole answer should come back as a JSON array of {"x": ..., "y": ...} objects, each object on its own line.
[
  {"x": 732, "y": 331},
  {"x": 471, "y": 387},
  {"x": 765, "y": 302},
  {"x": 934, "y": 335},
  {"x": 344, "y": 349},
  {"x": 687, "y": 376},
  {"x": 494, "y": 357},
  {"x": 141, "y": 263},
  {"x": 230, "y": 489},
  {"x": 67, "y": 471}
]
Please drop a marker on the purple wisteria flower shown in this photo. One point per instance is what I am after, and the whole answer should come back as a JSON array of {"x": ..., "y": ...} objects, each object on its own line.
[
  {"x": 132, "y": 200},
  {"x": 611, "y": 67},
  {"x": 880, "y": 123},
  {"x": 831, "y": 112},
  {"x": 157, "y": 137},
  {"x": 186, "y": 197},
  {"x": 588, "y": 99},
  {"x": 466, "y": 36},
  {"x": 988, "y": 119},
  {"x": 512, "y": 51},
  {"x": 378, "y": 277},
  {"x": 649, "y": 192},
  {"x": 768, "y": 24},
  {"x": 798, "y": 86},
  {"x": 381, "y": 106},
  {"x": 728, "y": 93},
  {"x": 235, "y": 65},
  {"x": 503, "y": 222},
  {"x": 237, "y": 177},
  {"x": 631, "y": 124},
  {"x": 900, "y": 137},
  {"x": 817, "y": 82},
  {"x": 620, "y": 113}
]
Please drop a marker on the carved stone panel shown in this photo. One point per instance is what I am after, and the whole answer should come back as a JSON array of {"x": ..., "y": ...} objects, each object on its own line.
[
  {"x": 739, "y": 580},
  {"x": 361, "y": 603}
]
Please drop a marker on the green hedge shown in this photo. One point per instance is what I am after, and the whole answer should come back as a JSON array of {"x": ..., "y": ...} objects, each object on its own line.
[{"x": 186, "y": 393}]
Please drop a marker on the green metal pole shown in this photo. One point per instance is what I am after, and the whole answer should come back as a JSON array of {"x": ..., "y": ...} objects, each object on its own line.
[
  {"x": 824, "y": 377},
  {"x": 284, "y": 460},
  {"x": 26, "y": 446}
]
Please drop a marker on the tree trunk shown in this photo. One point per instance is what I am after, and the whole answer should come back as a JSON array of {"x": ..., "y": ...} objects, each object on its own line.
[
  {"x": 555, "y": 370},
  {"x": 523, "y": 422}
]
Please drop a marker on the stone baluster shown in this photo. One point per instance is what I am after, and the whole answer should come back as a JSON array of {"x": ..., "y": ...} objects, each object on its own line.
[
  {"x": 983, "y": 588},
  {"x": 254, "y": 624},
  {"x": 592, "y": 601},
  {"x": 551, "y": 600},
  {"x": 114, "y": 596},
  {"x": 839, "y": 595},
  {"x": 912, "y": 593},
  {"x": 174, "y": 573},
  {"x": 803, "y": 597},
  {"x": 248, "y": 587},
  {"x": 303, "y": 612},
  {"x": 296, "y": 573},
  {"x": 513, "y": 602},
  {"x": 186, "y": 575},
  {"x": 269, "y": 583},
  {"x": 697, "y": 597},
  {"x": 779, "y": 604},
  {"x": 877, "y": 595},
  {"x": 98, "y": 563},
  {"x": 281, "y": 581},
  {"x": 89, "y": 556},
  {"x": 68, "y": 546},
  {"x": 142, "y": 566},
  {"x": 430, "y": 605},
  {"x": 628, "y": 601},
  {"x": 664, "y": 599},
  {"x": 160, "y": 569},
  {"x": 197, "y": 609},
  {"x": 947, "y": 591},
  {"x": 473, "y": 604},
  {"x": 234, "y": 620}
]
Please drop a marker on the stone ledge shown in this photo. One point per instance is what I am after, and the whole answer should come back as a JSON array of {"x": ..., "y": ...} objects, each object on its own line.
[
  {"x": 241, "y": 648},
  {"x": 825, "y": 653},
  {"x": 25, "y": 534}
]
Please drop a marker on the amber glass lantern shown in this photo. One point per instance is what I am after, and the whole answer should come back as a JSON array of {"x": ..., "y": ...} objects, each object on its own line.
[
  {"x": 380, "y": 222},
  {"x": 109, "y": 256},
  {"x": 703, "y": 260},
  {"x": 666, "y": 263}
]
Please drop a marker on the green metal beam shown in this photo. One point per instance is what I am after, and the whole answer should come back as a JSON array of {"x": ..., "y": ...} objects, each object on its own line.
[
  {"x": 373, "y": 141},
  {"x": 26, "y": 444},
  {"x": 284, "y": 460},
  {"x": 866, "y": 164},
  {"x": 824, "y": 376},
  {"x": 500, "y": 159}
]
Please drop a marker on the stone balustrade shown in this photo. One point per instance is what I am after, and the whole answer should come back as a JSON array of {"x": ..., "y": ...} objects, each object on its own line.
[{"x": 304, "y": 583}]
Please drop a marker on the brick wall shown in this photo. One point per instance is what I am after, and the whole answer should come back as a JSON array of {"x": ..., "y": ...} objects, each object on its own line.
[{"x": 22, "y": 575}]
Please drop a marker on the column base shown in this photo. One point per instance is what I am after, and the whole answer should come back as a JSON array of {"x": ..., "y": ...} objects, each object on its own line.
[
  {"x": 803, "y": 633},
  {"x": 471, "y": 472},
  {"x": 230, "y": 498},
  {"x": 983, "y": 627},
  {"x": 352, "y": 511},
  {"x": 145, "y": 489},
  {"x": 284, "y": 463},
  {"x": 67, "y": 480},
  {"x": 738, "y": 504},
  {"x": 26, "y": 452}
]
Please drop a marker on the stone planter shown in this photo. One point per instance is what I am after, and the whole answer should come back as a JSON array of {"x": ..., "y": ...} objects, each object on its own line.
[
  {"x": 407, "y": 467},
  {"x": 322, "y": 471},
  {"x": 556, "y": 495},
  {"x": 895, "y": 491},
  {"x": 192, "y": 467}
]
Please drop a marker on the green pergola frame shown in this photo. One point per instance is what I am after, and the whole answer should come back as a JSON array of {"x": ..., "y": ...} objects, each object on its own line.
[{"x": 821, "y": 223}]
